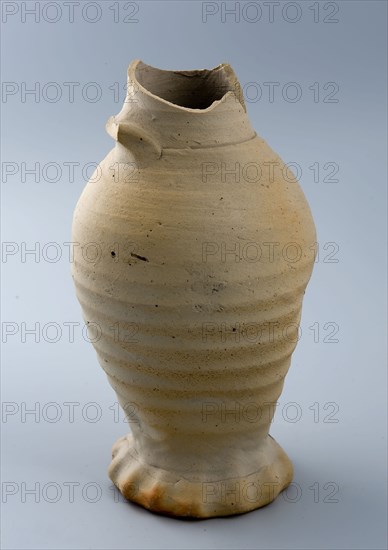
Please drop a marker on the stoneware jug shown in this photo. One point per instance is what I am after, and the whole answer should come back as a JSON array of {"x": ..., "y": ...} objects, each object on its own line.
[{"x": 194, "y": 248}]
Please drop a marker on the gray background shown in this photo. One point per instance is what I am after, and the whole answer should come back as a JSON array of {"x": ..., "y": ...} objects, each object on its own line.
[{"x": 334, "y": 429}]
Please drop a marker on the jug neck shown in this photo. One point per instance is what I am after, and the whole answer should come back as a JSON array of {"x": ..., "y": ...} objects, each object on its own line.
[{"x": 182, "y": 109}]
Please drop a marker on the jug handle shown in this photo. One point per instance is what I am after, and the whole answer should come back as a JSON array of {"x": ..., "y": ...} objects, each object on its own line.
[{"x": 141, "y": 145}]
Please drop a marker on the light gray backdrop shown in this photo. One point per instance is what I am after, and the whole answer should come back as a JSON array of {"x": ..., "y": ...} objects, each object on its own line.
[{"x": 63, "y": 71}]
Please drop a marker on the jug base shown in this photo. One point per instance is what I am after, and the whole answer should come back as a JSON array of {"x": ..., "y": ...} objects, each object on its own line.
[{"x": 169, "y": 493}]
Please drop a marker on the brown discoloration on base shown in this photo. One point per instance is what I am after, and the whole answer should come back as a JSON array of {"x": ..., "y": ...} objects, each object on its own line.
[{"x": 148, "y": 487}]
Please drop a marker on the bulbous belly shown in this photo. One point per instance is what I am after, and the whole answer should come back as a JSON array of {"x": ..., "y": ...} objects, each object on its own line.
[{"x": 191, "y": 279}]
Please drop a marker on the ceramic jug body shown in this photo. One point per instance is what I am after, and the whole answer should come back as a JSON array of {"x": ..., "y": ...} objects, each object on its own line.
[{"x": 204, "y": 254}]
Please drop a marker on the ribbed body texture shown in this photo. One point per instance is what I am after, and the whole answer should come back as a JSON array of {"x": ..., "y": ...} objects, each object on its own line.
[{"x": 191, "y": 266}]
